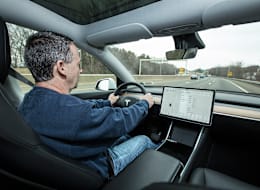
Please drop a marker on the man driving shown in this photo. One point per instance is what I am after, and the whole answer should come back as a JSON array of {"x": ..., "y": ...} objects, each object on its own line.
[{"x": 93, "y": 132}]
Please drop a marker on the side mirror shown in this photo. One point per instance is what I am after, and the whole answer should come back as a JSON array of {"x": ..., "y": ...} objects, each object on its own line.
[{"x": 106, "y": 84}]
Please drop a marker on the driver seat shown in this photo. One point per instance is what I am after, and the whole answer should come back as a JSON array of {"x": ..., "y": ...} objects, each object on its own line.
[{"x": 24, "y": 160}]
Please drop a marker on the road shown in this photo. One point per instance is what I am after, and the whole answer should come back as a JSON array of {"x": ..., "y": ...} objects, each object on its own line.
[{"x": 216, "y": 83}]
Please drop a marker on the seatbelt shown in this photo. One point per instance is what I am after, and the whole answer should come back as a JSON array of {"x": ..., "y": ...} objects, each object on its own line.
[{"x": 20, "y": 77}]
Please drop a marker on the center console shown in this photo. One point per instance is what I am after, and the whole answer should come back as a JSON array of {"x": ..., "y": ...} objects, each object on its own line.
[
  {"x": 180, "y": 121},
  {"x": 169, "y": 163},
  {"x": 190, "y": 111},
  {"x": 182, "y": 143}
]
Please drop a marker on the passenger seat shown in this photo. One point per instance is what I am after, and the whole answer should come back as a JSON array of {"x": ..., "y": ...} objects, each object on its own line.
[
  {"x": 205, "y": 179},
  {"x": 213, "y": 179}
]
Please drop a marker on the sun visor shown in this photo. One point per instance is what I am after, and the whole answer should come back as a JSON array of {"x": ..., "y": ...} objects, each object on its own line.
[{"x": 121, "y": 34}]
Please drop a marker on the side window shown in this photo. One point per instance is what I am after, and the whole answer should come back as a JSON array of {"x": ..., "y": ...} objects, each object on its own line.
[
  {"x": 18, "y": 36},
  {"x": 93, "y": 70}
]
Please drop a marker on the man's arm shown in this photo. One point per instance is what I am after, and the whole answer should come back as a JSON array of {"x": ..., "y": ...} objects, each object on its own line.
[
  {"x": 102, "y": 103},
  {"x": 110, "y": 122}
]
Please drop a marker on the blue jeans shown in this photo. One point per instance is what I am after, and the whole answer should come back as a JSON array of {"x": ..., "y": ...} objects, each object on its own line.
[{"x": 129, "y": 148}]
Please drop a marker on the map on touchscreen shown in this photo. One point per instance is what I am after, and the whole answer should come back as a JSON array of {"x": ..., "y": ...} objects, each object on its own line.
[{"x": 192, "y": 105}]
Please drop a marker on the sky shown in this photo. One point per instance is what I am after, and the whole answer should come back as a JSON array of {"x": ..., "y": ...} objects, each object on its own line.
[{"x": 224, "y": 46}]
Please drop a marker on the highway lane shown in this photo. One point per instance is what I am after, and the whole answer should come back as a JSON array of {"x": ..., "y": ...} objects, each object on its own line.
[{"x": 215, "y": 83}]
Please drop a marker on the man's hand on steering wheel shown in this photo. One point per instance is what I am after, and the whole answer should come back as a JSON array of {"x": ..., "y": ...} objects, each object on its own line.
[
  {"x": 149, "y": 98},
  {"x": 125, "y": 101},
  {"x": 113, "y": 99}
]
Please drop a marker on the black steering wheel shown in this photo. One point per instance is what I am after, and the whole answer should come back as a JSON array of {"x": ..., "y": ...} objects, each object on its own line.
[{"x": 125, "y": 101}]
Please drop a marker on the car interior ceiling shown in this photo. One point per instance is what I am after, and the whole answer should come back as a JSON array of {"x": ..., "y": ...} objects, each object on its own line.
[{"x": 225, "y": 147}]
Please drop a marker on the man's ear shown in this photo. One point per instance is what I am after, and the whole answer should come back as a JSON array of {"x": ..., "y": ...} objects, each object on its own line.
[{"x": 61, "y": 69}]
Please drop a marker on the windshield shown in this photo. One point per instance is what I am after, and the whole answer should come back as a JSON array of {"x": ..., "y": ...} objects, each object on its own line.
[{"x": 229, "y": 62}]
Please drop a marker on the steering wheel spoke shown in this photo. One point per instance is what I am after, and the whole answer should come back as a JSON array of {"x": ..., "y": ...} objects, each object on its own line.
[{"x": 125, "y": 101}]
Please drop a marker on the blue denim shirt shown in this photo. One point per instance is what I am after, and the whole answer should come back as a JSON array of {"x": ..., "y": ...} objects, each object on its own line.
[{"x": 82, "y": 130}]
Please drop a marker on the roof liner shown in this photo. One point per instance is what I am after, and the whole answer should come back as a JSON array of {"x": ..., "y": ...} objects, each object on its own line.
[
  {"x": 172, "y": 20},
  {"x": 231, "y": 12}
]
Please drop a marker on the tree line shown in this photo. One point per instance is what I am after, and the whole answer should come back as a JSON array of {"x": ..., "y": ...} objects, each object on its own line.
[
  {"x": 251, "y": 72},
  {"x": 149, "y": 66}
]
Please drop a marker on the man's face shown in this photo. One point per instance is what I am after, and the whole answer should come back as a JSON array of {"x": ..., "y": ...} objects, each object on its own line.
[{"x": 74, "y": 68}]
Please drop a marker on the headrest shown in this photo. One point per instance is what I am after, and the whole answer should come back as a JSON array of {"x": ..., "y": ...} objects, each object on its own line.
[{"x": 5, "y": 55}]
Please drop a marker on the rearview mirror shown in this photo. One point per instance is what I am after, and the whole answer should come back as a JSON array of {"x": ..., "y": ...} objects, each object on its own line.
[
  {"x": 181, "y": 54},
  {"x": 186, "y": 46}
]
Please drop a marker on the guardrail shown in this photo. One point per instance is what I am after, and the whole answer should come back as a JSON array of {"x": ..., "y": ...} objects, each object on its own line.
[{"x": 247, "y": 81}]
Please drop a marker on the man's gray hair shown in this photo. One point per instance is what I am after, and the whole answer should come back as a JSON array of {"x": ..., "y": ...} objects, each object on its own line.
[{"x": 43, "y": 50}]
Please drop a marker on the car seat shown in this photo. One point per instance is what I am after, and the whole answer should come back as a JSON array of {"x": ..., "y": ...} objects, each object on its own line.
[
  {"x": 24, "y": 159},
  {"x": 210, "y": 178}
]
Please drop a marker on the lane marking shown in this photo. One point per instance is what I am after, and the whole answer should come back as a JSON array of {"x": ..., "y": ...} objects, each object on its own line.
[{"x": 237, "y": 86}]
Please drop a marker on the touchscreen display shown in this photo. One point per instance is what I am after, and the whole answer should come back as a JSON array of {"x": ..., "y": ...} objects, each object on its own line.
[{"x": 194, "y": 105}]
